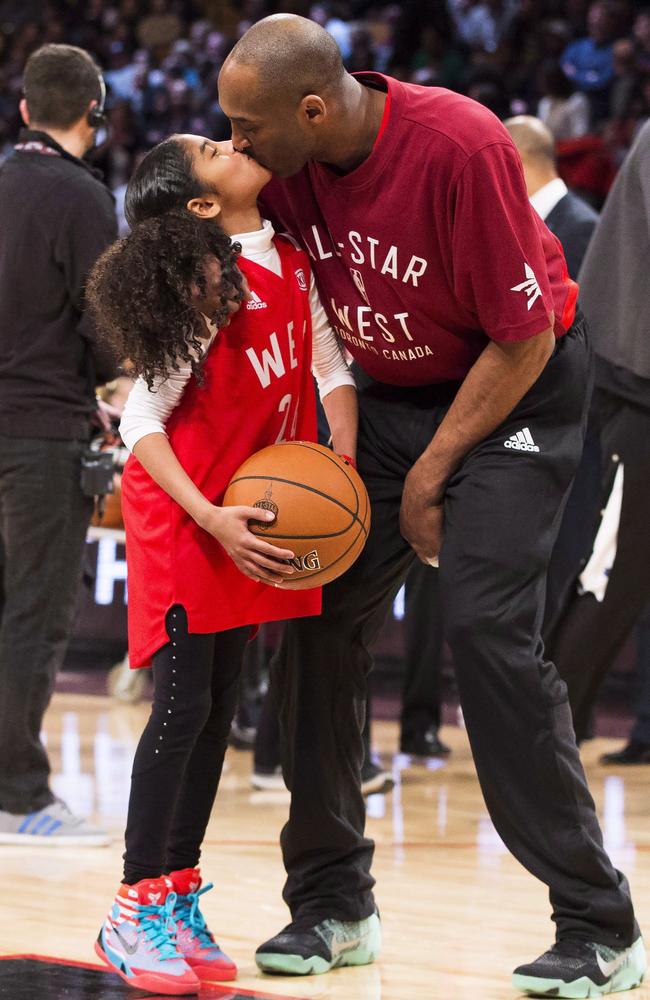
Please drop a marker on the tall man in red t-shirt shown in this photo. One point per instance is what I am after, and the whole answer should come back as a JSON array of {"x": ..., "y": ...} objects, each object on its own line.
[{"x": 473, "y": 377}]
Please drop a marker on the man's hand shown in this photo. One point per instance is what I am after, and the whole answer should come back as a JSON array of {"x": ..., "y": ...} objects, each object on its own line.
[
  {"x": 421, "y": 515},
  {"x": 104, "y": 416},
  {"x": 492, "y": 388},
  {"x": 253, "y": 556}
]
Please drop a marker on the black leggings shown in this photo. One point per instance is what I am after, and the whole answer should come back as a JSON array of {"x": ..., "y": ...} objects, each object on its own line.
[{"x": 180, "y": 755}]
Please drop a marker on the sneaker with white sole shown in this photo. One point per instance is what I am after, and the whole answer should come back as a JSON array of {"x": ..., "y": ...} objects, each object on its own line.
[
  {"x": 578, "y": 969},
  {"x": 305, "y": 949},
  {"x": 138, "y": 940},
  {"x": 374, "y": 780},
  {"x": 268, "y": 779},
  {"x": 53, "y": 826},
  {"x": 194, "y": 939}
]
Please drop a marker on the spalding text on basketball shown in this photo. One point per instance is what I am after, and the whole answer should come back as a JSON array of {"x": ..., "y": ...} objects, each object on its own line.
[{"x": 309, "y": 561}]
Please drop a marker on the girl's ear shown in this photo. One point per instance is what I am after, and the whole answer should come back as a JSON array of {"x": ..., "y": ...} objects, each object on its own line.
[{"x": 206, "y": 207}]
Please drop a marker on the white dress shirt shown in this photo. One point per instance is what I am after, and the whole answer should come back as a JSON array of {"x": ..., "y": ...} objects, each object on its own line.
[{"x": 545, "y": 200}]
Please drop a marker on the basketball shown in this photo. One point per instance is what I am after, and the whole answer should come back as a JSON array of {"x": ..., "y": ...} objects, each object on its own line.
[{"x": 321, "y": 507}]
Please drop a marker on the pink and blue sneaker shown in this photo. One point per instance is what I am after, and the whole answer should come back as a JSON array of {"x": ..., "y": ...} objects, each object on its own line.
[
  {"x": 138, "y": 939},
  {"x": 194, "y": 940}
]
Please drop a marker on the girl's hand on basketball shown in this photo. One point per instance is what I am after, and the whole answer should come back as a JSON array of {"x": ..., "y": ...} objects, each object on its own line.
[{"x": 254, "y": 557}]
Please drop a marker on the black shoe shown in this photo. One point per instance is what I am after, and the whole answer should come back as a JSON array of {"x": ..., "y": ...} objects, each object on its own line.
[
  {"x": 374, "y": 780},
  {"x": 634, "y": 753},
  {"x": 582, "y": 969},
  {"x": 304, "y": 949},
  {"x": 242, "y": 737},
  {"x": 424, "y": 744},
  {"x": 268, "y": 779}
]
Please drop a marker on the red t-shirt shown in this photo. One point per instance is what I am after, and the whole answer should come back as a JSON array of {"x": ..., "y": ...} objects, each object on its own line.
[{"x": 430, "y": 247}]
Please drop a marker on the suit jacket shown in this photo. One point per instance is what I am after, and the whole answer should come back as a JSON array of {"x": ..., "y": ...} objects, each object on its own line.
[{"x": 573, "y": 222}]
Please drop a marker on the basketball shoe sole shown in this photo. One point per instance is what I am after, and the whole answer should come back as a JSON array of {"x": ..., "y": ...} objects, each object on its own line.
[{"x": 149, "y": 981}]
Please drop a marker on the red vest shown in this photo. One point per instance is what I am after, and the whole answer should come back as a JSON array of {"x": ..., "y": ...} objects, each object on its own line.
[{"x": 258, "y": 390}]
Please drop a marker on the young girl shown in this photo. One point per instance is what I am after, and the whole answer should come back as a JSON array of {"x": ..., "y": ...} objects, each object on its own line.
[{"x": 199, "y": 580}]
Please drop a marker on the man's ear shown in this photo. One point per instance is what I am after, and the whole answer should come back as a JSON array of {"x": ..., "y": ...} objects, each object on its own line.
[
  {"x": 206, "y": 207},
  {"x": 312, "y": 107},
  {"x": 24, "y": 111}
]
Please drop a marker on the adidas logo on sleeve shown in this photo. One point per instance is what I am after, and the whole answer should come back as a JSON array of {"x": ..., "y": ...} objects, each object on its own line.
[{"x": 521, "y": 441}]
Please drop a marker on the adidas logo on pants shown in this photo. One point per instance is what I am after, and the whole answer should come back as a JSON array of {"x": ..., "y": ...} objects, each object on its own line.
[{"x": 521, "y": 441}]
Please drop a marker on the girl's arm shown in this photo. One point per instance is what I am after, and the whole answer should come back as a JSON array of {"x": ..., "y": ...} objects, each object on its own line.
[
  {"x": 335, "y": 380},
  {"x": 143, "y": 432},
  {"x": 255, "y": 558}
]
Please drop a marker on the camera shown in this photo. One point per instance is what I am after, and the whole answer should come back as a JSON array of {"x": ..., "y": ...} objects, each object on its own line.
[{"x": 97, "y": 468}]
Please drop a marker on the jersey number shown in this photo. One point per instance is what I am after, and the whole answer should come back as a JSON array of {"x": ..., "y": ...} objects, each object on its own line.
[{"x": 285, "y": 407}]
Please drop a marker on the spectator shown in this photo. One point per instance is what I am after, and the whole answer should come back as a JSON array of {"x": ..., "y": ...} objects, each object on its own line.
[
  {"x": 335, "y": 19},
  {"x": 589, "y": 61},
  {"x": 562, "y": 108},
  {"x": 641, "y": 34},
  {"x": 625, "y": 80},
  {"x": 482, "y": 25},
  {"x": 437, "y": 62},
  {"x": 159, "y": 28},
  {"x": 570, "y": 218}
]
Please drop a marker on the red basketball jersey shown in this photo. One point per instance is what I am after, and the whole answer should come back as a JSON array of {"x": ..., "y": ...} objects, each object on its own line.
[{"x": 258, "y": 390}]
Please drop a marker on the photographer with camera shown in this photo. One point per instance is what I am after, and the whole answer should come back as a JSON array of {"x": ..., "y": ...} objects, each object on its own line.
[{"x": 56, "y": 218}]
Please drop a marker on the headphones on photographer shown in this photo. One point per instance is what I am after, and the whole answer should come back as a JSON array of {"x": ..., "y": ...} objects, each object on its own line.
[{"x": 97, "y": 115}]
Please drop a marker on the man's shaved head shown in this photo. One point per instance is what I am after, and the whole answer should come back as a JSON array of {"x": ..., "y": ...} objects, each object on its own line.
[
  {"x": 282, "y": 87},
  {"x": 536, "y": 146},
  {"x": 531, "y": 137},
  {"x": 290, "y": 55}
]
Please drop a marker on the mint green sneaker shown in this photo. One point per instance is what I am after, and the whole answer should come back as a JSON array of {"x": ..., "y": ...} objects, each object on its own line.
[
  {"x": 304, "y": 949},
  {"x": 578, "y": 969}
]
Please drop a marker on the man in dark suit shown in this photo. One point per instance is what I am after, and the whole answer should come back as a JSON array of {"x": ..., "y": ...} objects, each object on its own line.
[{"x": 569, "y": 217}]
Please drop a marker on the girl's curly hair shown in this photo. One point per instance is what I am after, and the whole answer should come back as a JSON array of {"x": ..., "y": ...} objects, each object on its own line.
[{"x": 142, "y": 291}]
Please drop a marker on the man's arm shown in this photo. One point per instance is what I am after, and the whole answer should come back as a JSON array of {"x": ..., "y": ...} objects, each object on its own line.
[{"x": 498, "y": 380}]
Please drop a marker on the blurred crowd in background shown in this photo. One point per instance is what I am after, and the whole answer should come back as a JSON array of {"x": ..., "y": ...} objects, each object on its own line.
[{"x": 583, "y": 68}]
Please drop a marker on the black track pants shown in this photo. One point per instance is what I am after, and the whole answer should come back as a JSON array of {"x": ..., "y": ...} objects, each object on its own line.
[
  {"x": 502, "y": 511},
  {"x": 44, "y": 517}
]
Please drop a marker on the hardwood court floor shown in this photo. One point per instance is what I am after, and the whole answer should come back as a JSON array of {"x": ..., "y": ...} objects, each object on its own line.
[{"x": 458, "y": 912}]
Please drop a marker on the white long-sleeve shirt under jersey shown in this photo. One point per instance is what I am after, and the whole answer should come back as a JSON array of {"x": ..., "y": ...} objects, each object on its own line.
[{"x": 148, "y": 410}]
